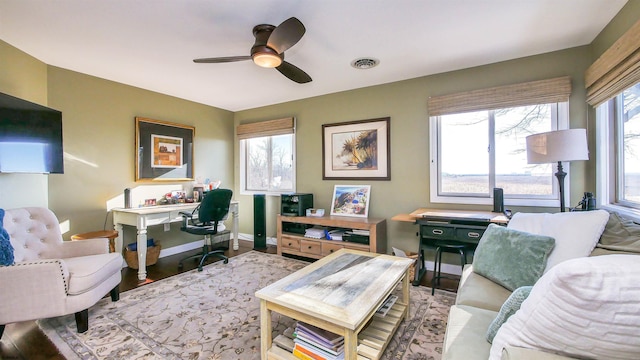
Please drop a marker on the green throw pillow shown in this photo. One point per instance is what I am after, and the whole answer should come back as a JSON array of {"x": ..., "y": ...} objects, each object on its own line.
[
  {"x": 512, "y": 258},
  {"x": 508, "y": 308}
]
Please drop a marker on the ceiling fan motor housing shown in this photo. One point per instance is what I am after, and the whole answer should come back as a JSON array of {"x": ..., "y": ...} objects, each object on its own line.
[{"x": 262, "y": 54}]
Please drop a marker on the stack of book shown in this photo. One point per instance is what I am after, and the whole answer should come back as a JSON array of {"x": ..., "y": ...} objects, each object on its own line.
[{"x": 312, "y": 343}]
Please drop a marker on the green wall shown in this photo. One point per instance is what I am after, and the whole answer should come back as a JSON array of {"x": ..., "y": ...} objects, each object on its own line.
[
  {"x": 98, "y": 131},
  {"x": 405, "y": 103},
  {"x": 99, "y": 138},
  {"x": 23, "y": 76}
]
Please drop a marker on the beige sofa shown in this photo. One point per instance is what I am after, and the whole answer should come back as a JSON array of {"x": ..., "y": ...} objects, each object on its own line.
[{"x": 478, "y": 303}]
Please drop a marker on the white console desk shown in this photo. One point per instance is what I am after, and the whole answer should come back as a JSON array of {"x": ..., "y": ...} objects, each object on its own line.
[{"x": 144, "y": 217}]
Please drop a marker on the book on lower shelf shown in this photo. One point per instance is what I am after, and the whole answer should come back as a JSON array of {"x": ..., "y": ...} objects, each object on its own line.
[
  {"x": 386, "y": 306},
  {"x": 314, "y": 343}
]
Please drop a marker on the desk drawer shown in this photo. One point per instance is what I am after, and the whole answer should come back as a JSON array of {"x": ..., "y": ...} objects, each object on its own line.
[
  {"x": 437, "y": 232},
  {"x": 290, "y": 242},
  {"x": 469, "y": 235},
  {"x": 310, "y": 247}
]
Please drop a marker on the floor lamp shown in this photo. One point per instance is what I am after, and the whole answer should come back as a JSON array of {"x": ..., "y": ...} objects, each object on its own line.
[{"x": 558, "y": 146}]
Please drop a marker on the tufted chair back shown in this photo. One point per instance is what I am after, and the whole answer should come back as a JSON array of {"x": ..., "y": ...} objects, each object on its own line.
[{"x": 34, "y": 233}]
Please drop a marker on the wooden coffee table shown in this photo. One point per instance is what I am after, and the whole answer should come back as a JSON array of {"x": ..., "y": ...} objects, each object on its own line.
[{"x": 340, "y": 293}]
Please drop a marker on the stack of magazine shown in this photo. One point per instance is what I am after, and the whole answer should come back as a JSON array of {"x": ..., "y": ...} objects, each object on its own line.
[
  {"x": 314, "y": 232},
  {"x": 312, "y": 343}
]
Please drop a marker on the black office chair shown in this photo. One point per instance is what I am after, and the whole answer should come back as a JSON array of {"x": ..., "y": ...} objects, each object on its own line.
[{"x": 213, "y": 208}]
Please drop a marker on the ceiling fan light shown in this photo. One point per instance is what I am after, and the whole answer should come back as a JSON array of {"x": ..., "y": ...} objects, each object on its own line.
[{"x": 267, "y": 60}]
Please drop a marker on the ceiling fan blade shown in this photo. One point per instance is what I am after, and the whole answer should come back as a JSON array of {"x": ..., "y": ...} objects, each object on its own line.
[
  {"x": 286, "y": 35},
  {"x": 293, "y": 73},
  {"x": 222, "y": 59}
]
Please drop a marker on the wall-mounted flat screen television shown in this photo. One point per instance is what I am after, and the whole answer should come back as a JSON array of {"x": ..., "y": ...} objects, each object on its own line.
[{"x": 30, "y": 137}]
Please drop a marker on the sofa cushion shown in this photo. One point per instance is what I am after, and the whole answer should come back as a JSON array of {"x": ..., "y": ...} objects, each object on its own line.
[
  {"x": 478, "y": 291},
  {"x": 576, "y": 233},
  {"x": 586, "y": 307},
  {"x": 620, "y": 234},
  {"x": 87, "y": 272},
  {"x": 465, "y": 337},
  {"x": 510, "y": 257},
  {"x": 6, "y": 249},
  {"x": 507, "y": 309}
]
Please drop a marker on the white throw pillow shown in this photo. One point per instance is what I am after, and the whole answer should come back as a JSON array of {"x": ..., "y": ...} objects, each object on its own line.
[
  {"x": 576, "y": 233},
  {"x": 587, "y": 307}
]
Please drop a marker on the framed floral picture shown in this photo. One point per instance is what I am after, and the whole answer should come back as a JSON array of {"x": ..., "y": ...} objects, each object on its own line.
[
  {"x": 356, "y": 150},
  {"x": 351, "y": 200}
]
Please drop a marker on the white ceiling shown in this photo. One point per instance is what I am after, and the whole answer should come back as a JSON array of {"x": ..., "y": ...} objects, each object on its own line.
[{"x": 151, "y": 43}]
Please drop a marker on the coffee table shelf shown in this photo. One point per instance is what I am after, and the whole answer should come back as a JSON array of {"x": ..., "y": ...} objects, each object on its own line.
[{"x": 340, "y": 293}]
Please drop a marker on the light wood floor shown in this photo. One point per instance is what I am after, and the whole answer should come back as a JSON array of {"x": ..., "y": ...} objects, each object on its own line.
[{"x": 25, "y": 341}]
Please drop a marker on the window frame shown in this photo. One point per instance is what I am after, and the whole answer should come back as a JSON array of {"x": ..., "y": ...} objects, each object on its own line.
[
  {"x": 243, "y": 144},
  {"x": 560, "y": 121},
  {"x": 607, "y": 169}
]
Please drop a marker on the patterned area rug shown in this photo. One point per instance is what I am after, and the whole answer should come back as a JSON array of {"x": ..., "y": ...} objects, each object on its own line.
[{"x": 214, "y": 314}]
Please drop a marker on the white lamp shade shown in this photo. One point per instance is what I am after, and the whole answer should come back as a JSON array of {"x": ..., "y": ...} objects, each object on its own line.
[{"x": 554, "y": 146}]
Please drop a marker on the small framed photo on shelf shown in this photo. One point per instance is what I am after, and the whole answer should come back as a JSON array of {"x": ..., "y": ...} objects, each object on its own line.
[{"x": 351, "y": 200}]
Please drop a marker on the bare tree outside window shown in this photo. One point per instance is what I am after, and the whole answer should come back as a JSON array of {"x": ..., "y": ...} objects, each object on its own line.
[
  {"x": 269, "y": 164},
  {"x": 629, "y": 159},
  {"x": 486, "y": 149}
]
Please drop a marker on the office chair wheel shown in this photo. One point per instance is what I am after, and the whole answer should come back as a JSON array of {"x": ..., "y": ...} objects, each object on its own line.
[{"x": 226, "y": 261}]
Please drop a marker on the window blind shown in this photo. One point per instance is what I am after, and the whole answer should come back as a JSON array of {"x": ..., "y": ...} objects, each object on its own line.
[
  {"x": 523, "y": 94},
  {"x": 616, "y": 69},
  {"x": 266, "y": 128}
]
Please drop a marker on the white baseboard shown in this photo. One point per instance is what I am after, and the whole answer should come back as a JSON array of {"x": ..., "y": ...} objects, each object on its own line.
[
  {"x": 249, "y": 237},
  {"x": 199, "y": 243},
  {"x": 182, "y": 248}
]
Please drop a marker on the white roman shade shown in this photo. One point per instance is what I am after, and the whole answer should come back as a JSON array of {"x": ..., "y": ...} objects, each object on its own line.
[
  {"x": 523, "y": 94},
  {"x": 266, "y": 128},
  {"x": 616, "y": 69}
]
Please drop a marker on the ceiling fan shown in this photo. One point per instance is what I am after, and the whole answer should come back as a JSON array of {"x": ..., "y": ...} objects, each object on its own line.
[{"x": 268, "y": 50}]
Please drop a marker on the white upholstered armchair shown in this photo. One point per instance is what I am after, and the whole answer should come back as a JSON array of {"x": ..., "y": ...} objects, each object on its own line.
[{"x": 52, "y": 277}]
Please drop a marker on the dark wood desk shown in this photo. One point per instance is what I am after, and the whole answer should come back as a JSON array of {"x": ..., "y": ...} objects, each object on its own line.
[{"x": 448, "y": 226}]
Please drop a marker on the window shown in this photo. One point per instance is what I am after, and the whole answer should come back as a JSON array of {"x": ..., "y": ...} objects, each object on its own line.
[
  {"x": 613, "y": 88},
  {"x": 478, "y": 143},
  {"x": 620, "y": 117},
  {"x": 267, "y": 163},
  {"x": 480, "y": 150}
]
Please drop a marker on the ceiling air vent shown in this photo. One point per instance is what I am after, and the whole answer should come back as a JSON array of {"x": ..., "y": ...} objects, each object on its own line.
[{"x": 365, "y": 63}]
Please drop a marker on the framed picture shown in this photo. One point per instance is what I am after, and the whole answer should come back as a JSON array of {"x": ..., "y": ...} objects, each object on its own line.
[
  {"x": 351, "y": 200},
  {"x": 356, "y": 150},
  {"x": 164, "y": 151}
]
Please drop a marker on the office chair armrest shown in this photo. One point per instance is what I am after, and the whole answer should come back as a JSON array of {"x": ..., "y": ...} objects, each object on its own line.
[{"x": 186, "y": 216}]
